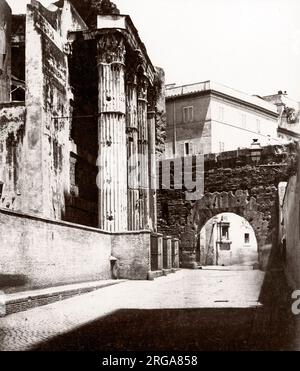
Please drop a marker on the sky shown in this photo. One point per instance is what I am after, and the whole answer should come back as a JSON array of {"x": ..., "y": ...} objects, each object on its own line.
[{"x": 249, "y": 45}]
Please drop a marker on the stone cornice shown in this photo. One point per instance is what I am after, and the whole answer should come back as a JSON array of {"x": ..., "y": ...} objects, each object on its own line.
[
  {"x": 224, "y": 96},
  {"x": 288, "y": 132},
  {"x": 243, "y": 102},
  {"x": 121, "y": 24}
]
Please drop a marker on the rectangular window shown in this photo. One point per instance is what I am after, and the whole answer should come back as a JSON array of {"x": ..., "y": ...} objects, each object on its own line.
[
  {"x": 192, "y": 148},
  {"x": 221, "y": 113},
  {"x": 244, "y": 121},
  {"x": 221, "y": 146},
  {"x": 247, "y": 238},
  {"x": 188, "y": 114},
  {"x": 186, "y": 149},
  {"x": 225, "y": 232},
  {"x": 258, "y": 126}
]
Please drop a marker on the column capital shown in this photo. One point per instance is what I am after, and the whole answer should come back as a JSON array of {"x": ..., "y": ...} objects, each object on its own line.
[
  {"x": 136, "y": 66},
  {"x": 111, "y": 48}
]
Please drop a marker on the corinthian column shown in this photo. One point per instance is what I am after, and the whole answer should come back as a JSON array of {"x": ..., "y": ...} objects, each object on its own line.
[
  {"x": 132, "y": 151},
  {"x": 151, "y": 116},
  {"x": 112, "y": 161},
  {"x": 143, "y": 143}
]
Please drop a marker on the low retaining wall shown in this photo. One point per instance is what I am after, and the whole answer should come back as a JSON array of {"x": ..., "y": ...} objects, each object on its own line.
[
  {"x": 37, "y": 252},
  {"x": 41, "y": 252}
]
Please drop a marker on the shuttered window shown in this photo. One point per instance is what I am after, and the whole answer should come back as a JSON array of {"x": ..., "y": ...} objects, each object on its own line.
[
  {"x": 187, "y": 149},
  {"x": 188, "y": 114}
]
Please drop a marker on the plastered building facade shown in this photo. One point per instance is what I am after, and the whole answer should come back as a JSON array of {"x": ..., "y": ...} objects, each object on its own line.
[{"x": 208, "y": 117}]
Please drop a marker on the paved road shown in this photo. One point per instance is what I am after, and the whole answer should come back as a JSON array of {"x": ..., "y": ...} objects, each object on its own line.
[{"x": 189, "y": 310}]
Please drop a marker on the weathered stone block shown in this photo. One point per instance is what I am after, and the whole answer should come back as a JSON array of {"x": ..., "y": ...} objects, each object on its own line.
[
  {"x": 167, "y": 252},
  {"x": 132, "y": 249}
]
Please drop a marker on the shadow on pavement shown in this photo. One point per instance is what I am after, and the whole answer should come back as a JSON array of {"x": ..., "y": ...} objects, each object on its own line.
[{"x": 173, "y": 329}]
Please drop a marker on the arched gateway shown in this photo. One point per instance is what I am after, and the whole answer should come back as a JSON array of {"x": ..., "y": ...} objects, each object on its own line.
[
  {"x": 234, "y": 182},
  {"x": 216, "y": 203},
  {"x": 227, "y": 239}
]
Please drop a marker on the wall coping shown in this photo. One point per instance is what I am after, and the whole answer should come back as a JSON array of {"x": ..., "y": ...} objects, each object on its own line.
[
  {"x": 129, "y": 233},
  {"x": 68, "y": 224},
  {"x": 276, "y": 151},
  {"x": 12, "y": 104},
  {"x": 266, "y": 150}
]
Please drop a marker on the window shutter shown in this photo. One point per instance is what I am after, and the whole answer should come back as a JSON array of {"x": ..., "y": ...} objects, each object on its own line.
[
  {"x": 258, "y": 125},
  {"x": 182, "y": 150},
  {"x": 192, "y": 148},
  {"x": 191, "y": 114},
  {"x": 185, "y": 111}
]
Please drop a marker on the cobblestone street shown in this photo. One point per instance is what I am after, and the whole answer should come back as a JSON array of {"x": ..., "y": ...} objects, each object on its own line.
[{"x": 189, "y": 310}]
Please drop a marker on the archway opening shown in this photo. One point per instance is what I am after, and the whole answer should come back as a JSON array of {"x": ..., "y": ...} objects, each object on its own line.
[{"x": 227, "y": 239}]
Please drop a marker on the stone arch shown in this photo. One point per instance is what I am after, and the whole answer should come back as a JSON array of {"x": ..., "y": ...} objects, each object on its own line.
[{"x": 239, "y": 203}]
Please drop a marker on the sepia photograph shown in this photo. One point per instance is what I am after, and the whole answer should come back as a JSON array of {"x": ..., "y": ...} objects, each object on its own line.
[{"x": 149, "y": 178}]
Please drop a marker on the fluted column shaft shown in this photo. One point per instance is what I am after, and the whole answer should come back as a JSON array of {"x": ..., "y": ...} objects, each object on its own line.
[
  {"x": 152, "y": 167},
  {"x": 112, "y": 161},
  {"x": 143, "y": 143},
  {"x": 132, "y": 153}
]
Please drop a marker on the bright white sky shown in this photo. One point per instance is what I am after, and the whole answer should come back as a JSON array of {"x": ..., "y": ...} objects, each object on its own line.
[{"x": 249, "y": 45}]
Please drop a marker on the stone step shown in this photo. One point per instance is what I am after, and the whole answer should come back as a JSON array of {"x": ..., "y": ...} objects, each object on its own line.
[
  {"x": 21, "y": 301},
  {"x": 164, "y": 272},
  {"x": 228, "y": 268}
]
